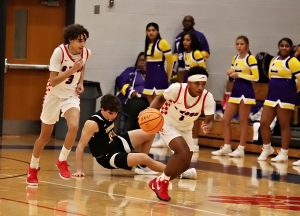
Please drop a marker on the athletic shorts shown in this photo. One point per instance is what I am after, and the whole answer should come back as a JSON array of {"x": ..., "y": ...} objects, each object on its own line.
[
  {"x": 169, "y": 132},
  {"x": 53, "y": 105},
  {"x": 116, "y": 156}
]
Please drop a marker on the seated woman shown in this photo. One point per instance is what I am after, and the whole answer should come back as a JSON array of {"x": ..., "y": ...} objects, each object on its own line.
[{"x": 131, "y": 85}]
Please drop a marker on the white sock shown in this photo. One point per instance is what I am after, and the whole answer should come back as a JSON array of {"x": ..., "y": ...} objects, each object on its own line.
[
  {"x": 64, "y": 154},
  {"x": 284, "y": 151},
  {"x": 34, "y": 163},
  {"x": 195, "y": 140},
  {"x": 228, "y": 146},
  {"x": 240, "y": 147},
  {"x": 163, "y": 177},
  {"x": 267, "y": 146}
]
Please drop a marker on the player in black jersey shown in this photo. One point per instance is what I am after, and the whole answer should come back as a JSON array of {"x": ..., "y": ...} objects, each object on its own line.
[{"x": 112, "y": 151}]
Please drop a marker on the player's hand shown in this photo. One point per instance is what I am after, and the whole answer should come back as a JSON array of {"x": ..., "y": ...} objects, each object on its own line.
[
  {"x": 205, "y": 128},
  {"x": 78, "y": 174},
  {"x": 79, "y": 88},
  {"x": 234, "y": 75},
  {"x": 78, "y": 64}
]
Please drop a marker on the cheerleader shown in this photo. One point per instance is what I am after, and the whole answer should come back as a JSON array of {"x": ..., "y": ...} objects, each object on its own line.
[
  {"x": 244, "y": 71},
  {"x": 157, "y": 51},
  {"x": 281, "y": 99}
]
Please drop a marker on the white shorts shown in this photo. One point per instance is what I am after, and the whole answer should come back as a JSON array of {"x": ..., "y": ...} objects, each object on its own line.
[
  {"x": 169, "y": 132},
  {"x": 53, "y": 105}
]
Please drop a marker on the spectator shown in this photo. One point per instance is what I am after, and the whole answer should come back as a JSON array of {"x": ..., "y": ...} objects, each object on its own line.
[
  {"x": 188, "y": 26},
  {"x": 131, "y": 84}
]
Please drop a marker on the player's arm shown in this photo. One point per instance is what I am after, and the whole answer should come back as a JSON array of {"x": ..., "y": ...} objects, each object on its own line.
[
  {"x": 158, "y": 102},
  {"x": 56, "y": 66},
  {"x": 170, "y": 94},
  {"x": 165, "y": 47},
  {"x": 209, "y": 111},
  {"x": 90, "y": 127},
  {"x": 294, "y": 66},
  {"x": 83, "y": 69},
  {"x": 254, "y": 76}
]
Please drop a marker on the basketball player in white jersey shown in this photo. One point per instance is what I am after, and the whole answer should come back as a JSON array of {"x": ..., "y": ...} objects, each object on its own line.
[
  {"x": 181, "y": 104},
  {"x": 67, "y": 65}
]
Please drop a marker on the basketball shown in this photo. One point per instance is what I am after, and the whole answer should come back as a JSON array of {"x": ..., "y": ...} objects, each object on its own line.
[{"x": 151, "y": 121}]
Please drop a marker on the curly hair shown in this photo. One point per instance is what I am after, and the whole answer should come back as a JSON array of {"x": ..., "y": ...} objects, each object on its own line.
[
  {"x": 74, "y": 31},
  {"x": 111, "y": 103},
  {"x": 195, "y": 42}
]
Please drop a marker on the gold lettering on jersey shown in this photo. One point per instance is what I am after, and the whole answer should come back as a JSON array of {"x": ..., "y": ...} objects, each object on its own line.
[
  {"x": 110, "y": 135},
  {"x": 109, "y": 128}
]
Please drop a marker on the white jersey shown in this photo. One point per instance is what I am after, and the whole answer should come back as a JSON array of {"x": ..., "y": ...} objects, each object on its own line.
[
  {"x": 61, "y": 61},
  {"x": 181, "y": 109}
]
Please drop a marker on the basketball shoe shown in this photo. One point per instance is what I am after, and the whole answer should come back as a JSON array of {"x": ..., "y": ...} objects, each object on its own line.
[
  {"x": 160, "y": 188},
  {"x": 64, "y": 172},
  {"x": 32, "y": 176}
]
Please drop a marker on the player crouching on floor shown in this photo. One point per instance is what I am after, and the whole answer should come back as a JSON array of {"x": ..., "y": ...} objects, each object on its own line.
[{"x": 112, "y": 151}]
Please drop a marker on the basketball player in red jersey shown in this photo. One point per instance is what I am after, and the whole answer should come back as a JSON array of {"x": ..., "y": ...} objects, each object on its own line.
[
  {"x": 181, "y": 104},
  {"x": 67, "y": 65}
]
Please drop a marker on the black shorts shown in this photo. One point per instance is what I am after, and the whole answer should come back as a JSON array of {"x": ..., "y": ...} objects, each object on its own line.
[{"x": 116, "y": 156}]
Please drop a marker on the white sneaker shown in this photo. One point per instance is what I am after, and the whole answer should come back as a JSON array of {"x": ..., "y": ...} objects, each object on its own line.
[
  {"x": 265, "y": 153},
  {"x": 237, "y": 153},
  {"x": 280, "y": 157},
  {"x": 144, "y": 171},
  {"x": 296, "y": 163},
  {"x": 189, "y": 174},
  {"x": 160, "y": 143},
  {"x": 222, "y": 152}
]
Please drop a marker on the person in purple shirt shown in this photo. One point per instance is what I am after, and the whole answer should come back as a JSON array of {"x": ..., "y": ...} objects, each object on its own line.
[
  {"x": 188, "y": 26},
  {"x": 131, "y": 85}
]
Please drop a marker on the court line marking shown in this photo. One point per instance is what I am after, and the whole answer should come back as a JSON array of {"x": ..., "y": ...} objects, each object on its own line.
[
  {"x": 40, "y": 206},
  {"x": 119, "y": 195},
  {"x": 15, "y": 176}
]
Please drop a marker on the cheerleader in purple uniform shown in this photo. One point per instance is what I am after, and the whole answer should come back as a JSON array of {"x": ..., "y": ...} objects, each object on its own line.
[
  {"x": 281, "y": 100},
  {"x": 244, "y": 71},
  {"x": 157, "y": 51}
]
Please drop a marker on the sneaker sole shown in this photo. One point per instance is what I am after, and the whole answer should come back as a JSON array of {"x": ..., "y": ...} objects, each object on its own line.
[
  {"x": 64, "y": 178},
  {"x": 141, "y": 172},
  {"x": 32, "y": 184}
]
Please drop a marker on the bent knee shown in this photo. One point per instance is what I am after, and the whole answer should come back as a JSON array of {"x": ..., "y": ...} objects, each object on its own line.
[
  {"x": 73, "y": 126},
  {"x": 45, "y": 137}
]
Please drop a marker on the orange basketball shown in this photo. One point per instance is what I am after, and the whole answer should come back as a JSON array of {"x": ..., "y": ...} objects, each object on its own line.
[{"x": 151, "y": 121}]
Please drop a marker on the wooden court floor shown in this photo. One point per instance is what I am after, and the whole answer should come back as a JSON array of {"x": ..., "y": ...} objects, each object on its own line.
[{"x": 224, "y": 186}]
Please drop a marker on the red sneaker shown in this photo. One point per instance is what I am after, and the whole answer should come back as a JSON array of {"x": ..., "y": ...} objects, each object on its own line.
[
  {"x": 161, "y": 189},
  {"x": 64, "y": 172},
  {"x": 32, "y": 178}
]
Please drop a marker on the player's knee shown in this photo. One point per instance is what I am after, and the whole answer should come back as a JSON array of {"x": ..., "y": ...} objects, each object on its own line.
[
  {"x": 73, "y": 126},
  {"x": 225, "y": 121},
  {"x": 45, "y": 137},
  {"x": 144, "y": 159},
  {"x": 264, "y": 125}
]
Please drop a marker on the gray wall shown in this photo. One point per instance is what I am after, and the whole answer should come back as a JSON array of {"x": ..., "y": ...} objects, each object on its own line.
[{"x": 117, "y": 34}]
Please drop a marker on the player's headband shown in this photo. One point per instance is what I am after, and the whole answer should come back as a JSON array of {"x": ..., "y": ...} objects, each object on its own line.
[{"x": 197, "y": 78}]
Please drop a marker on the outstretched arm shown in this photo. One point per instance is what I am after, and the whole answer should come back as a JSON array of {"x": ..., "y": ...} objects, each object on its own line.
[{"x": 90, "y": 127}]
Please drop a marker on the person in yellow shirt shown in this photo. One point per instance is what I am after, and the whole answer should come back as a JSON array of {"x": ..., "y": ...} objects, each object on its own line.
[
  {"x": 244, "y": 71},
  {"x": 281, "y": 100},
  {"x": 157, "y": 51},
  {"x": 192, "y": 55}
]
